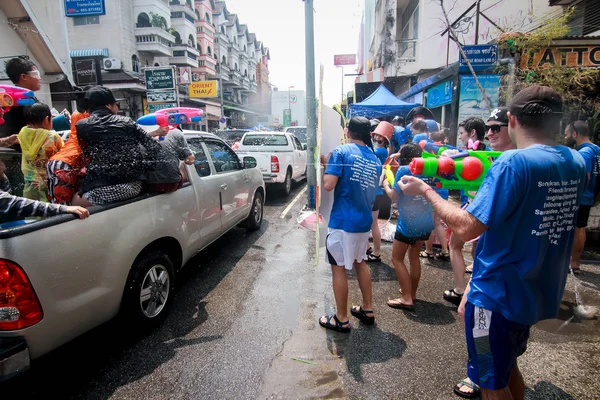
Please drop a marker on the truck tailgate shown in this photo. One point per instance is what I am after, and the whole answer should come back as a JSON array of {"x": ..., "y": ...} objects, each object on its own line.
[{"x": 263, "y": 159}]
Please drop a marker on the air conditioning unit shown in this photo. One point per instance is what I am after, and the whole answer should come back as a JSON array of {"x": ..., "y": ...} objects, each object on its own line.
[{"x": 112, "y": 64}]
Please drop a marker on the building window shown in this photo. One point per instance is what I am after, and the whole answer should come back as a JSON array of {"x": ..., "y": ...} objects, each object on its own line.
[
  {"x": 191, "y": 41},
  {"x": 197, "y": 14},
  {"x": 207, "y": 18},
  {"x": 209, "y": 51},
  {"x": 156, "y": 64},
  {"x": 143, "y": 21},
  {"x": 236, "y": 67},
  {"x": 135, "y": 63},
  {"x": 199, "y": 48},
  {"x": 223, "y": 30},
  {"x": 178, "y": 53},
  {"x": 177, "y": 37},
  {"x": 245, "y": 72},
  {"x": 89, "y": 20}
]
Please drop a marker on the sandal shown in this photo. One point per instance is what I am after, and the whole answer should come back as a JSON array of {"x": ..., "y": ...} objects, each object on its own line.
[
  {"x": 469, "y": 383},
  {"x": 425, "y": 254},
  {"x": 373, "y": 258},
  {"x": 469, "y": 269},
  {"x": 452, "y": 296},
  {"x": 361, "y": 314},
  {"x": 443, "y": 256},
  {"x": 337, "y": 325},
  {"x": 398, "y": 304},
  {"x": 576, "y": 271}
]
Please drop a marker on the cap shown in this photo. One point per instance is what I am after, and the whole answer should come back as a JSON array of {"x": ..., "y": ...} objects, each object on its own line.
[
  {"x": 536, "y": 100},
  {"x": 499, "y": 114},
  {"x": 99, "y": 96},
  {"x": 420, "y": 110},
  {"x": 432, "y": 126},
  {"x": 359, "y": 125},
  {"x": 385, "y": 129}
]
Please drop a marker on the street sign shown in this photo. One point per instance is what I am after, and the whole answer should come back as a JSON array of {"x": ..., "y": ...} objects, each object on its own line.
[
  {"x": 481, "y": 57},
  {"x": 293, "y": 99},
  {"x": 344, "y": 59},
  {"x": 203, "y": 89},
  {"x": 157, "y": 79},
  {"x": 156, "y": 107},
  {"x": 83, "y": 8},
  {"x": 287, "y": 117},
  {"x": 222, "y": 120},
  {"x": 85, "y": 72},
  {"x": 161, "y": 96}
]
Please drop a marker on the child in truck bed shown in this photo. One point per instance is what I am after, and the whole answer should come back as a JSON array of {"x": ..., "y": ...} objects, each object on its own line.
[{"x": 38, "y": 144}]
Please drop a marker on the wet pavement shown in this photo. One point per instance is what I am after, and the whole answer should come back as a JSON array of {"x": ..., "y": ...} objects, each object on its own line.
[{"x": 243, "y": 325}]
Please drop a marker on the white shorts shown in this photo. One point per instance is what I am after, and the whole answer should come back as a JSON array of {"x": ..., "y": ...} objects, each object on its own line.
[{"x": 345, "y": 248}]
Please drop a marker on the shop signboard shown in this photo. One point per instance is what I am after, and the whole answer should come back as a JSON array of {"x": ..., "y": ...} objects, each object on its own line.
[
  {"x": 159, "y": 79},
  {"x": 84, "y": 8},
  {"x": 481, "y": 57},
  {"x": 203, "y": 89},
  {"x": 471, "y": 101},
  {"x": 344, "y": 59},
  {"x": 440, "y": 94},
  {"x": 563, "y": 55}
]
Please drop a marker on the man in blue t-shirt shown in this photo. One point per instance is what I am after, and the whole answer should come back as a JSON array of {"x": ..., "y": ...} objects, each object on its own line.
[
  {"x": 353, "y": 170},
  {"x": 525, "y": 212},
  {"x": 577, "y": 135}
]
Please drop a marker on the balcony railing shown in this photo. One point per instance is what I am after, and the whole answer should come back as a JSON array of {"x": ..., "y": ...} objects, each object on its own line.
[{"x": 407, "y": 50}]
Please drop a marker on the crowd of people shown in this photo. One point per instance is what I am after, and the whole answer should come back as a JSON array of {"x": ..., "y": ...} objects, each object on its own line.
[
  {"x": 107, "y": 157},
  {"x": 520, "y": 261}
]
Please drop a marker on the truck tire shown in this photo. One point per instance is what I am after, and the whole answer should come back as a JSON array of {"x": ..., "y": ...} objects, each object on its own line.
[
  {"x": 254, "y": 220},
  {"x": 286, "y": 186},
  {"x": 149, "y": 292}
]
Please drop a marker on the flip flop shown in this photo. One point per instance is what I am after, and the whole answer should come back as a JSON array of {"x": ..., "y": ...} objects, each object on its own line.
[
  {"x": 469, "y": 383},
  {"x": 425, "y": 254},
  {"x": 361, "y": 314},
  {"x": 443, "y": 256},
  {"x": 337, "y": 325},
  {"x": 373, "y": 258},
  {"x": 576, "y": 271},
  {"x": 400, "y": 305},
  {"x": 452, "y": 296}
]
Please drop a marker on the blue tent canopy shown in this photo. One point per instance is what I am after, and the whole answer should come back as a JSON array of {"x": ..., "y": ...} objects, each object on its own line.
[{"x": 381, "y": 103}]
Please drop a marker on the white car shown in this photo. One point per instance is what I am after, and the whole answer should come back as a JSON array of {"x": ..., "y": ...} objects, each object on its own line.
[
  {"x": 279, "y": 155},
  {"x": 123, "y": 259}
]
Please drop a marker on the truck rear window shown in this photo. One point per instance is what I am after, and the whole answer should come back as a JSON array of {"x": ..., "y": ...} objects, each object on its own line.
[{"x": 265, "y": 140}]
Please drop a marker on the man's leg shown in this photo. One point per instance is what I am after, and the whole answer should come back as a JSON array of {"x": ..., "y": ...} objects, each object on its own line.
[
  {"x": 376, "y": 235},
  {"x": 458, "y": 262},
  {"x": 363, "y": 274},
  {"x": 415, "y": 267},
  {"x": 516, "y": 384},
  {"x": 578, "y": 245},
  {"x": 340, "y": 291},
  {"x": 502, "y": 394}
]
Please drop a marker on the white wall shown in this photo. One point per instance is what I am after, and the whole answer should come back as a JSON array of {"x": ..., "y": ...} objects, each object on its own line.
[{"x": 279, "y": 102}]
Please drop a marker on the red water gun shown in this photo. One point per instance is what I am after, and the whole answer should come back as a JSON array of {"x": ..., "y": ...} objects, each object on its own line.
[
  {"x": 11, "y": 96},
  {"x": 172, "y": 117}
]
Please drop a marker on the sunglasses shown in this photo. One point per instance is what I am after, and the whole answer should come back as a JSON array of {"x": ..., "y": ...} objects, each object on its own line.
[
  {"x": 494, "y": 128},
  {"x": 34, "y": 74}
]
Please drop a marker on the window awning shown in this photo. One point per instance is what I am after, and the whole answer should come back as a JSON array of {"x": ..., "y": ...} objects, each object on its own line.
[{"x": 89, "y": 53}]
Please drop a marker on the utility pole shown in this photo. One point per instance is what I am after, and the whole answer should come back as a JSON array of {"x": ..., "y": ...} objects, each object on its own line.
[{"x": 311, "y": 103}]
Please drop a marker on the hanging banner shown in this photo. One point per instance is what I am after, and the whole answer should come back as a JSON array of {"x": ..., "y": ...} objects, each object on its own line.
[{"x": 471, "y": 103}]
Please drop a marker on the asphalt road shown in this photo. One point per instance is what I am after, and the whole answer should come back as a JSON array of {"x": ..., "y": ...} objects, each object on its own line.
[{"x": 244, "y": 326}]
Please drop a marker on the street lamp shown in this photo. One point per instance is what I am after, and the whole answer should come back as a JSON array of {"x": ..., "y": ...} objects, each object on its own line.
[
  {"x": 290, "y": 103},
  {"x": 220, "y": 68}
]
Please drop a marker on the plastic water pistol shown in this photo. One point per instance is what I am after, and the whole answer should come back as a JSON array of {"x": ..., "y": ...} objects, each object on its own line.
[
  {"x": 11, "y": 96},
  {"x": 389, "y": 175},
  {"x": 435, "y": 147},
  {"x": 172, "y": 117},
  {"x": 465, "y": 170}
]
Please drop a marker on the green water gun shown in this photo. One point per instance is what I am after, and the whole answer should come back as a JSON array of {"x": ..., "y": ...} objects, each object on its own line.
[{"x": 465, "y": 170}]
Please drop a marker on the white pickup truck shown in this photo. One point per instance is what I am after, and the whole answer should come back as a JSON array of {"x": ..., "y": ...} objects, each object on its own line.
[
  {"x": 61, "y": 277},
  {"x": 279, "y": 156}
]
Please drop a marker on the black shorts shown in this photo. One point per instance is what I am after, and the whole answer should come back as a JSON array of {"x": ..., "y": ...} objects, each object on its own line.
[
  {"x": 582, "y": 216},
  {"x": 380, "y": 202},
  {"x": 410, "y": 240}
]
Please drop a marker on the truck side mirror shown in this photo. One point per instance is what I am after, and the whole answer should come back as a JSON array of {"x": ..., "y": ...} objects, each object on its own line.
[
  {"x": 304, "y": 146},
  {"x": 249, "y": 162}
]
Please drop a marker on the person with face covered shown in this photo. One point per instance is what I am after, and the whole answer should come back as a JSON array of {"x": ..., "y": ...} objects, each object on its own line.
[
  {"x": 352, "y": 170},
  {"x": 577, "y": 136}
]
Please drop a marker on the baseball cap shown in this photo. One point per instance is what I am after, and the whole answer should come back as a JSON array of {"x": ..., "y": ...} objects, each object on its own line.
[
  {"x": 536, "y": 100},
  {"x": 499, "y": 114},
  {"x": 99, "y": 96},
  {"x": 359, "y": 125},
  {"x": 385, "y": 129}
]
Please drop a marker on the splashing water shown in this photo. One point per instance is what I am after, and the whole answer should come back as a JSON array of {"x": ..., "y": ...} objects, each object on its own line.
[{"x": 581, "y": 311}]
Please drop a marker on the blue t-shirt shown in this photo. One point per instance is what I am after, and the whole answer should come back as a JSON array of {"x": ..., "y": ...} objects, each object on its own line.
[
  {"x": 382, "y": 155},
  {"x": 591, "y": 155},
  {"x": 401, "y": 136},
  {"x": 528, "y": 201},
  {"x": 414, "y": 212},
  {"x": 358, "y": 170}
]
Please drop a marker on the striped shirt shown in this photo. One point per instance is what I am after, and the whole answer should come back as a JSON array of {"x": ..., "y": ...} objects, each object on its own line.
[{"x": 22, "y": 207}]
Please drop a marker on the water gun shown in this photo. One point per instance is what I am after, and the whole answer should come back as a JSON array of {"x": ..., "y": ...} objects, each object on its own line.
[
  {"x": 465, "y": 170},
  {"x": 435, "y": 147},
  {"x": 389, "y": 175},
  {"x": 11, "y": 96},
  {"x": 172, "y": 117}
]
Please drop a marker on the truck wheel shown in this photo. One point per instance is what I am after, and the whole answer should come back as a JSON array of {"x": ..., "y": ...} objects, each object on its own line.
[
  {"x": 254, "y": 220},
  {"x": 149, "y": 292},
  {"x": 286, "y": 186}
]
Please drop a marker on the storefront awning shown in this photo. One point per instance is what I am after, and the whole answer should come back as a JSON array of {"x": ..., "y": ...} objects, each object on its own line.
[
  {"x": 370, "y": 77},
  {"x": 89, "y": 53}
]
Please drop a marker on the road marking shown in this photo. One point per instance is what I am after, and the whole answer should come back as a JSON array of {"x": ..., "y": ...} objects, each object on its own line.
[{"x": 289, "y": 207}]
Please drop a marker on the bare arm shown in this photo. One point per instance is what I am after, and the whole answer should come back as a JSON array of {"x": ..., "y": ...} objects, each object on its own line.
[
  {"x": 329, "y": 181},
  {"x": 461, "y": 222},
  {"x": 391, "y": 193}
]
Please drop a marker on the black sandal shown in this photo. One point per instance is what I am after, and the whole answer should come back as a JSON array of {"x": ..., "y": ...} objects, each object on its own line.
[
  {"x": 373, "y": 258},
  {"x": 338, "y": 326},
  {"x": 452, "y": 296},
  {"x": 576, "y": 271},
  {"x": 425, "y": 254},
  {"x": 361, "y": 314},
  {"x": 443, "y": 256},
  {"x": 469, "y": 383}
]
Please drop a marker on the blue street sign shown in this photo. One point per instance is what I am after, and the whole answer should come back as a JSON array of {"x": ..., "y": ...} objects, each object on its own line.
[
  {"x": 83, "y": 8},
  {"x": 481, "y": 57},
  {"x": 222, "y": 120}
]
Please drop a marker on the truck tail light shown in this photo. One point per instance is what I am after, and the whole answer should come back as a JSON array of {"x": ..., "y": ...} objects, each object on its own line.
[
  {"x": 274, "y": 164},
  {"x": 19, "y": 306}
]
